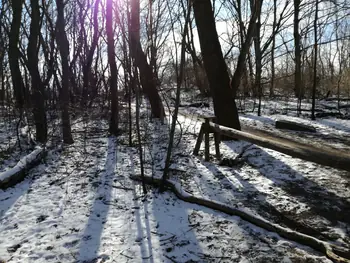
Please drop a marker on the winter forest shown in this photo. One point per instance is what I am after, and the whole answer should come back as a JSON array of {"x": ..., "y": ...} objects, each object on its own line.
[{"x": 175, "y": 131}]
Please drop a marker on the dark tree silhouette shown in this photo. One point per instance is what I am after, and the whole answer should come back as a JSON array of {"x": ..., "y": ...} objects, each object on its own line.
[
  {"x": 219, "y": 82},
  {"x": 38, "y": 99}
]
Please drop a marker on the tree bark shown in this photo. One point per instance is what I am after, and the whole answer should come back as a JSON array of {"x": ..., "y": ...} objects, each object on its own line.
[
  {"x": 38, "y": 100},
  {"x": 63, "y": 46},
  {"x": 113, "y": 124},
  {"x": 14, "y": 53},
  {"x": 219, "y": 82}
]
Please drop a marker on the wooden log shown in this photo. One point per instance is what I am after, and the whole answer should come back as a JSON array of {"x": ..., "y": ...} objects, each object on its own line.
[
  {"x": 295, "y": 109},
  {"x": 333, "y": 252},
  {"x": 344, "y": 106},
  {"x": 335, "y": 99},
  {"x": 290, "y": 125},
  {"x": 305, "y": 152},
  {"x": 329, "y": 114},
  {"x": 16, "y": 174}
]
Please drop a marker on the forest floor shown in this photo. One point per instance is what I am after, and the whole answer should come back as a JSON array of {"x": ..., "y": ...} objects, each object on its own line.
[{"x": 80, "y": 205}]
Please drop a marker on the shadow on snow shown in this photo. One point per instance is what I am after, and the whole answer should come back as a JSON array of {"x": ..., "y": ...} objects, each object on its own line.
[{"x": 91, "y": 239}]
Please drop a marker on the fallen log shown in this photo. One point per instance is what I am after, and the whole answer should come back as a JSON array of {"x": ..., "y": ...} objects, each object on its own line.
[
  {"x": 19, "y": 171},
  {"x": 305, "y": 152},
  {"x": 295, "y": 109},
  {"x": 329, "y": 114},
  {"x": 335, "y": 99},
  {"x": 290, "y": 125},
  {"x": 344, "y": 106},
  {"x": 333, "y": 252}
]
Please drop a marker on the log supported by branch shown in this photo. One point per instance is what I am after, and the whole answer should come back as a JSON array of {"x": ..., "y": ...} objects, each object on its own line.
[
  {"x": 335, "y": 253},
  {"x": 305, "y": 152},
  {"x": 18, "y": 173}
]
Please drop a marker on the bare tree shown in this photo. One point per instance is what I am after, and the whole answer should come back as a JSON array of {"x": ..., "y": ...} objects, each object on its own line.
[
  {"x": 63, "y": 46},
  {"x": 315, "y": 82},
  {"x": 14, "y": 53},
  {"x": 38, "y": 90},
  {"x": 298, "y": 86},
  {"x": 219, "y": 82},
  {"x": 272, "y": 84},
  {"x": 146, "y": 74},
  {"x": 113, "y": 124},
  {"x": 90, "y": 54},
  {"x": 244, "y": 52},
  {"x": 179, "y": 80}
]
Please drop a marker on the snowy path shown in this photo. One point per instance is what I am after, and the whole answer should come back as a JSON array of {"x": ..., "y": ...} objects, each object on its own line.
[{"x": 81, "y": 207}]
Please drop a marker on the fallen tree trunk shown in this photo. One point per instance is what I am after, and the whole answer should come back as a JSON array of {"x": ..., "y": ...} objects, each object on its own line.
[
  {"x": 335, "y": 253},
  {"x": 18, "y": 173},
  {"x": 335, "y": 99},
  {"x": 305, "y": 152},
  {"x": 291, "y": 125},
  {"x": 307, "y": 110}
]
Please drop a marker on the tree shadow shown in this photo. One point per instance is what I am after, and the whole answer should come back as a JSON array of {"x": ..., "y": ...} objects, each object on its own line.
[
  {"x": 91, "y": 239},
  {"x": 177, "y": 236},
  {"x": 163, "y": 228},
  {"x": 249, "y": 196},
  {"x": 334, "y": 208},
  {"x": 146, "y": 248},
  {"x": 185, "y": 234},
  {"x": 9, "y": 196},
  {"x": 332, "y": 123}
]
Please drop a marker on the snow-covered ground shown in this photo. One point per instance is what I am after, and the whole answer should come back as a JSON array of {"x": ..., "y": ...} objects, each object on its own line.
[
  {"x": 8, "y": 140},
  {"x": 80, "y": 205}
]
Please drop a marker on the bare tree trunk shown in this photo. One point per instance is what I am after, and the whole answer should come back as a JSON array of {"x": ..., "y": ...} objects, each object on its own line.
[
  {"x": 298, "y": 88},
  {"x": 2, "y": 58},
  {"x": 179, "y": 76},
  {"x": 242, "y": 33},
  {"x": 63, "y": 47},
  {"x": 151, "y": 39},
  {"x": 258, "y": 58},
  {"x": 138, "y": 132},
  {"x": 224, "y": 105},
  {"x": 236, "y": 79},
  {"x": 38, "y": 90},
  {"x": 315, "y": 82},
  {"x": 146, "y": 74},
  {"x": 90, "y": 55},
  {"x": 113, "y": 124},
  {"x": 202, "y": 83},
  {"x": 272, "y": 84},
  {"x": 14, "y": 54},
  {"x": 340, "y": 60}
]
